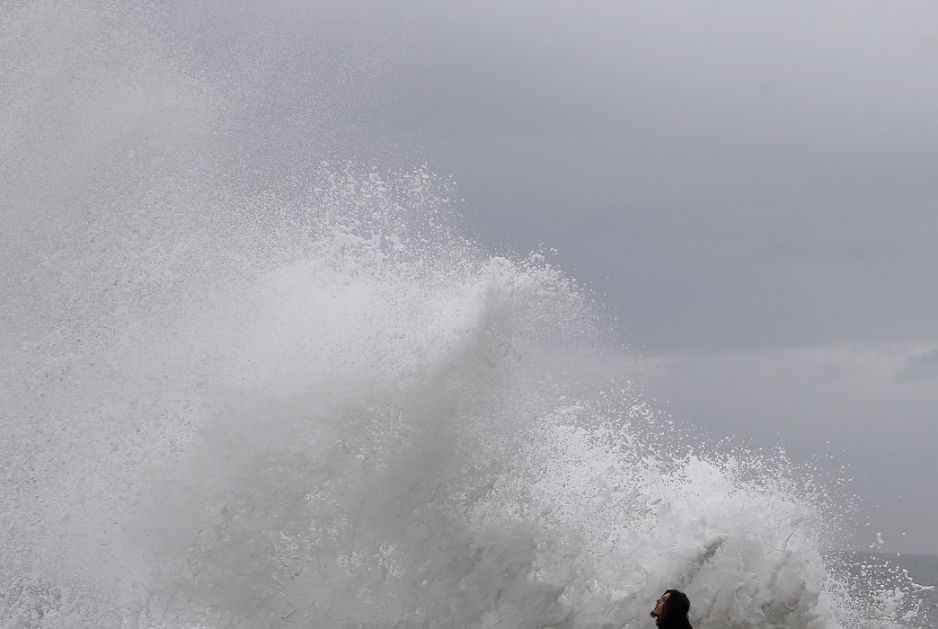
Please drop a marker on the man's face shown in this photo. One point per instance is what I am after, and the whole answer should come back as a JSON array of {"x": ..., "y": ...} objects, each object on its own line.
[{"x": 659, "y": 605}]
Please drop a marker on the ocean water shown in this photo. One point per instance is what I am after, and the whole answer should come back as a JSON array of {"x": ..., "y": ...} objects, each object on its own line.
[
  {"x": 255, "y": 379},
  {"x": 923, "y": 569},
  {"x": 874, "y": 570}
]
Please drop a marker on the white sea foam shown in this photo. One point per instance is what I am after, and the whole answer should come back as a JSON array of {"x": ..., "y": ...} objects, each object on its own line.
[{"x": 315, "y": 403}]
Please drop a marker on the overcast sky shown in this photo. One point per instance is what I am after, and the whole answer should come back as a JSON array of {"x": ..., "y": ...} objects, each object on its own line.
[{"x": 751, "y": 187}]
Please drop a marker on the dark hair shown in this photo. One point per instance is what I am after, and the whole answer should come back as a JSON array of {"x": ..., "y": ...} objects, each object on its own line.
[{"x": 675, "y": 610}]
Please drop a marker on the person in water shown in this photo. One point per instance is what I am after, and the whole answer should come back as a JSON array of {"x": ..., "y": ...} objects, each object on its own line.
[{"x": 671, "y": 609}]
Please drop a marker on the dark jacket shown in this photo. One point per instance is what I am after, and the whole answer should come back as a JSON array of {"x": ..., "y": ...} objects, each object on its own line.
[{"x": 674, "y": 623}]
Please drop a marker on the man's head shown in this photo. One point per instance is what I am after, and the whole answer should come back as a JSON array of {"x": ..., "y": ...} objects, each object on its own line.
[{"x": 672, "y": 605}]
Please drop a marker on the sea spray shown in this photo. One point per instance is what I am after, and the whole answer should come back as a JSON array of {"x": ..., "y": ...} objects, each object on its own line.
[
  {"x": 387, "y": 427},
  {"x": 242, "y": 389}
]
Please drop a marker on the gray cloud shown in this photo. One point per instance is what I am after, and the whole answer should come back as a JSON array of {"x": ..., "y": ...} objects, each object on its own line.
[
  {"x": 828, "y": 404},
  {"x": 729, "y": 178},
  {"x": 749, "y": 187},
  {"x": 921, "y": 366}
]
